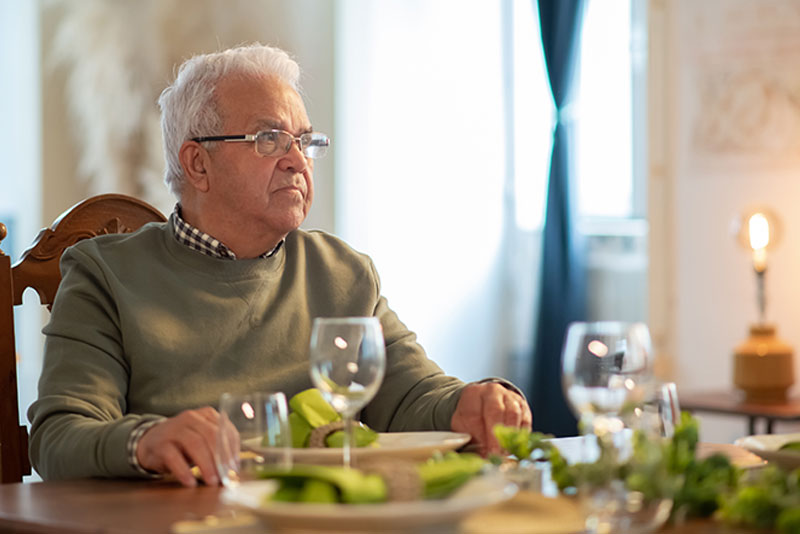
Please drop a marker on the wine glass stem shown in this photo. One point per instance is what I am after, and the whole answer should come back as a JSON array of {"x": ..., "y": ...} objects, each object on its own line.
[{"x": 348, "y": 439}]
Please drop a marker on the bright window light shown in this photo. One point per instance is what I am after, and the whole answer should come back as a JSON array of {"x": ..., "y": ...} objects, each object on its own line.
[
  {"x": 533, "y": 118},
  {"x": 605, "y": 162},
  {"x": 602, "y": 109}
]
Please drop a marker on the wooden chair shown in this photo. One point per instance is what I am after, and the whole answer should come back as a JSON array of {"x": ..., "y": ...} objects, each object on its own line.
[{"x": 39, "y": 268}]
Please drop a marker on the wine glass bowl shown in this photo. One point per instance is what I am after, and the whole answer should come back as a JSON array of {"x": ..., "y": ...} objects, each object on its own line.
[
  {"x": 603, "y": 364},
  {"x": 348, "y": 361}
]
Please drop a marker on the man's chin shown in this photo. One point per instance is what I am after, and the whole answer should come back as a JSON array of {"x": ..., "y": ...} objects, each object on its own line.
[{"x": 286, "y": 223}]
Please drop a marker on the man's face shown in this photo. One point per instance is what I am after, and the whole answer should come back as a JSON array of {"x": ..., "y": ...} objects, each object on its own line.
[{"x": 254, "y": 192}]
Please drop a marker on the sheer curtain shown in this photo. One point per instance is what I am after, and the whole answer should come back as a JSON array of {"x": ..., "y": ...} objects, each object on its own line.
[{"x": 423, "y": 181}]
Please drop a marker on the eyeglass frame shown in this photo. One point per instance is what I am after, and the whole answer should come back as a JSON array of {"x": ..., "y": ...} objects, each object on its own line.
[{"x": 253, "y": 138}]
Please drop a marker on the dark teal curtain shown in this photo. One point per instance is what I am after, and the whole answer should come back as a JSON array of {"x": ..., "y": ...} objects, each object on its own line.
[{"x": 562, "y": 291}]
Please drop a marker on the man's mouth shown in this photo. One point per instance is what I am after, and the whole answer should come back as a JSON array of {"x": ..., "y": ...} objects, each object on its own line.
[{"x": 290, "y": 189}]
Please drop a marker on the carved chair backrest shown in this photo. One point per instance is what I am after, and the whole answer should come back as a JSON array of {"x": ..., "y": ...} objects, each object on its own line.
[{"x": 38, "y": 268}]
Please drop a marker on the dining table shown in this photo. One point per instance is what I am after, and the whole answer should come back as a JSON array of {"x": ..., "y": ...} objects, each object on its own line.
[{"x": 139, "y": 506}]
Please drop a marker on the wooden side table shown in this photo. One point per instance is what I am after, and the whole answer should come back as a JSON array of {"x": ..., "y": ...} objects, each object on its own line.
[{"x": 733, "y": 403}]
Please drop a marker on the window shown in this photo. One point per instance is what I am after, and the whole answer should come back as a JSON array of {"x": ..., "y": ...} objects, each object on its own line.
[
  {"x": 421, "y": 166},
  {"x": 609, "y": 157}
]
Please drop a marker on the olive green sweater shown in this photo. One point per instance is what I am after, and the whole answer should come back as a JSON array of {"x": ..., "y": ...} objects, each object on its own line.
[{"x": 144, "y": 327}]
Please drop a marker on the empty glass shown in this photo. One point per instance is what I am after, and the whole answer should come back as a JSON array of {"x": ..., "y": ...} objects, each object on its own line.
[
  {"x": 348, "y": 359},
  {"x": 607, "y": 379},
  {"x": 658, "y": 412},
  {"x": 603, "y": 365},
  {"x": 253, "y": 434}
]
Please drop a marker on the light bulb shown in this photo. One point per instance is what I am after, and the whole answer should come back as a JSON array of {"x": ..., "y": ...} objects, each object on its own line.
[{"x": 758, "y": 230}]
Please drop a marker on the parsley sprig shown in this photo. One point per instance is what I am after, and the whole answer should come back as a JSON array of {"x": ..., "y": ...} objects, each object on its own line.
[{"x": 767, "y": 498}]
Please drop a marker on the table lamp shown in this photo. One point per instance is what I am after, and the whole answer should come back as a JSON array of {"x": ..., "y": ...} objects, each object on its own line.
[{"x": 763, "y": 363}]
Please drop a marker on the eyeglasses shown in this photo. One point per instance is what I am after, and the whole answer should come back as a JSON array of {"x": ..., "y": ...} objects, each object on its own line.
[{"x": 277, "y": 142}]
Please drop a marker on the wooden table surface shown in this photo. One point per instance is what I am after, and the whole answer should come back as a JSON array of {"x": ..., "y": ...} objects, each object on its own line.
[{"x": 140, "y": 506}]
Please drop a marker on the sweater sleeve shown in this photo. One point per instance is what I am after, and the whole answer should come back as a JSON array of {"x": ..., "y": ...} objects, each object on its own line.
[
  {"x": 415, "y": 394},
  {"x": 79, "y": 424}
]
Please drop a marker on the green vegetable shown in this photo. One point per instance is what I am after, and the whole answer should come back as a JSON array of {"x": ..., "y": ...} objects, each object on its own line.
[
  {"x": 656, "y": 468},
  {"x": 768, "y": 498},
  {"x": 788, "y": 521},
  {"x": 312, "y": 406},
  {"x": 441, "y": 476},
  {"x": 300, "y": 430},
  {"x": 519, "y": 442},
  {"x": 319, "y": 491},
  {"x": 791, "y": 446},
  {"x": 362, "y": 437},
  {"x": 704, "y": 482},
  {"x": 310, "y": 410},
  {"x": 683, "y": 445},
  {"x": 288, "y": 491},
  {"x": 754, "y": 506},
  {"x": 350, "y": 485}
]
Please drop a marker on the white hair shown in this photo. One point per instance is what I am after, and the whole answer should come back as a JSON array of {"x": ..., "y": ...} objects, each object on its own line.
[{"x": 189, "y": 108}]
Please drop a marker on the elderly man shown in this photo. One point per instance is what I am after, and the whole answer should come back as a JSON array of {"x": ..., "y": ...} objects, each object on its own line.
[{"x": 150, "y": 328}]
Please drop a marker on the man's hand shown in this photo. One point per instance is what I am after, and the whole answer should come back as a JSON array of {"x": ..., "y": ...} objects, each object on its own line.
[
  {"x": 176, "y": 444},
  {"x": 481, "y": 407}
]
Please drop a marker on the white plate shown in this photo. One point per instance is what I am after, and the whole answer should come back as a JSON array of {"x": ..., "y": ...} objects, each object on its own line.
[
  {"x": 767, "y": 445},
  {"x": 442, "y": 515},
  {"x": 409, "y": 445}
]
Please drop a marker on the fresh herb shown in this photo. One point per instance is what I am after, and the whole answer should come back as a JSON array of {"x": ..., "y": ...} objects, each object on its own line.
[{"x": 768, "y": 498}]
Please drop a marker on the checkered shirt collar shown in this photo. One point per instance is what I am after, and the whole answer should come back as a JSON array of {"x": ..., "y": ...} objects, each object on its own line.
[{"x": 196, "y": 239}]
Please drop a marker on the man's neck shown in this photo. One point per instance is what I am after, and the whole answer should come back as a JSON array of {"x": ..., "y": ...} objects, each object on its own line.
[{"x": 241, "y": 242}]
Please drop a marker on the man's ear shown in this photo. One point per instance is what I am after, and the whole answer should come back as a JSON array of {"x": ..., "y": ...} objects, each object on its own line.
[{"x": 195, "y": 161}]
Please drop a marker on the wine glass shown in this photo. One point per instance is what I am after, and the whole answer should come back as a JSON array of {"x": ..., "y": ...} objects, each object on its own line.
[
  {"x": 348, "y": 359},
  {"x": 253, "y": 434},
  {"x": 659, "y": 411},
  {"x": 608, "y": 382},
  {"x": 604, "y": 365}
]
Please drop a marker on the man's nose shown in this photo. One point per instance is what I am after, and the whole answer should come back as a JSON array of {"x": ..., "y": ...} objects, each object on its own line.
[{"x": 294, "y": 160}]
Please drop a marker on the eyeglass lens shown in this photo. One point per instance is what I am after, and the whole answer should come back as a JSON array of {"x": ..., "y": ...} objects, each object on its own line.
[{"x": 277, "y": 142}]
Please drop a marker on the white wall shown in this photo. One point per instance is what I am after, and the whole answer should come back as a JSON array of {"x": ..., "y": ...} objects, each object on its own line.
[
  {"x": 725, "y": 136},
  {"x": 157, "y": 35}
]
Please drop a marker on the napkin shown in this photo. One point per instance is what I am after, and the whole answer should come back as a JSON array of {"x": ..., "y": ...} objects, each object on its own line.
[
  {"x": 434, "y": 479},
  {"x": 311, "y": 411}
]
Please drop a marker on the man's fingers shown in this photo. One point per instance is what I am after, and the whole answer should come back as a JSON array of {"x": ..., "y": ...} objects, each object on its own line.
[
  {"x": 468, "y": 417},
  {"x": 209, "y": 414},
  {"x": 178, "y": 443},
  {"x": 512, "y": 415},
  {"x": 527, "y": 416},
  {"x": 175, "y": 463},
  {"x": 200, "y": 451},
  {"x": 494, "y": 413},
  {"x": 482, "y": 407}
]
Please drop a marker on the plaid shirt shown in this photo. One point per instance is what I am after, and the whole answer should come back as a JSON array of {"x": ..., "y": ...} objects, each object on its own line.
[{"x": 200, "y": 241}]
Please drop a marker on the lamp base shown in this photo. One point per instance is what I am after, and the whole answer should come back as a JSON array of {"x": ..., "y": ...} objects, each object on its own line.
[{"x": 763, "y": 366}]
